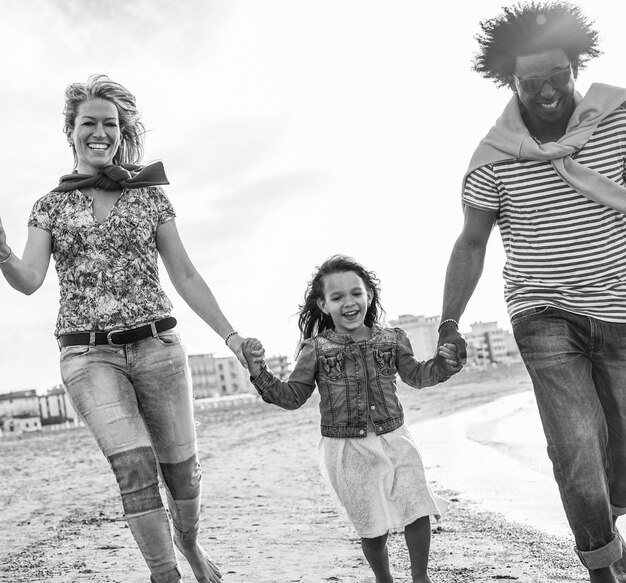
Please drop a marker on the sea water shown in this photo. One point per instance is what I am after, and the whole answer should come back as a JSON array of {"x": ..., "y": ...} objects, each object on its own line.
[{"x": 495, "y": 456}]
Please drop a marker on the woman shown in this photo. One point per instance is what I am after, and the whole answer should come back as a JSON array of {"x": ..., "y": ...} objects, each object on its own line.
[{"x": 122, "y": 362}]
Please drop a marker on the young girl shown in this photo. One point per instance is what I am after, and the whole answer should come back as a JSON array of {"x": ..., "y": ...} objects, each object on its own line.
[{"x": 366, "y": 451}]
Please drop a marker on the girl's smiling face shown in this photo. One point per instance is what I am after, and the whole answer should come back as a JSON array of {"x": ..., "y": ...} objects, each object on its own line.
[
  {"x": 346, "y": 300},
  {"x": 96, "y": 135}
]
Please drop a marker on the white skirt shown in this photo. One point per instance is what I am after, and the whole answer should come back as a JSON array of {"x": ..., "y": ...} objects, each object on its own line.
[{"x": 379, "y": 480}]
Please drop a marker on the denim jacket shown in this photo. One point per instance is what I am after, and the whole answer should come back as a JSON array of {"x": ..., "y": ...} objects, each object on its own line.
[{"x": 355, "y": 380}]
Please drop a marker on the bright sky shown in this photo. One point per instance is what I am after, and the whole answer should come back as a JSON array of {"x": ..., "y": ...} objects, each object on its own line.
[{"x": 290, "y": 130}]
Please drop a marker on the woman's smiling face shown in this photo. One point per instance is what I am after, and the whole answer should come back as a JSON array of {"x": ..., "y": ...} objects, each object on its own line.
[{"x": 96, "y": 135}]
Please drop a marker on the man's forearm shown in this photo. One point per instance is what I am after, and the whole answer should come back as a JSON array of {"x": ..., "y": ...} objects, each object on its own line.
[{"x": 464, "y": 270}]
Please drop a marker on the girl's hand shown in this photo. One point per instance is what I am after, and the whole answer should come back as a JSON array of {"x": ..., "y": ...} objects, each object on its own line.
[
  {"x": 448, "y": 352},
  {"x": 254, "y": 354}
]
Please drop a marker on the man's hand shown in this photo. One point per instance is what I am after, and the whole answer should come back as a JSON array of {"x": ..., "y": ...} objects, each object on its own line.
[
  {"x": 451, "y": 352},
  {"x": 449, "y": 334},
  {"x": 445, "y": 363}
]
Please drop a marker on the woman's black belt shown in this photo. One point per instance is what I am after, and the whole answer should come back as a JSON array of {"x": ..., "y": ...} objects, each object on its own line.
[{"x": 117, "y": 337}]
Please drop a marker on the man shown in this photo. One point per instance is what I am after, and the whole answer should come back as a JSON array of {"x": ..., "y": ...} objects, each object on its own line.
[{"x": 551, "y": 174}]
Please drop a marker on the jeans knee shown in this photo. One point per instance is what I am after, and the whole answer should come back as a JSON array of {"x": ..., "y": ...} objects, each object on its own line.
[
  {"x": 183, "y": 478},
  {"x": 137, "y": 477},
  {"x": 582, "y": 459}
]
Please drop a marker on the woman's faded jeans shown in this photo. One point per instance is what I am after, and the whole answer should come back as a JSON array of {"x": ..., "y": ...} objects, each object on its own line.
[
  {"x": 578, "y": 368},
  {"x": 136, "y": 400}
]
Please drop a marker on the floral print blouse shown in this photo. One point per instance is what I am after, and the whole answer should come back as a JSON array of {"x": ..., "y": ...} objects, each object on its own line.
[{"x": 108, "y": 271}]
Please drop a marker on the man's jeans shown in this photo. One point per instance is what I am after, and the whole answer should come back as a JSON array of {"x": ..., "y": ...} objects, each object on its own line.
[
  {"x": 136, "y": 400},
  {"x": 578, "y": 368}
]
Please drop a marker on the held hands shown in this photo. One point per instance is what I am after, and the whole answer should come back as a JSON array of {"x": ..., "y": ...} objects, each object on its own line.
[
  {"x": 448, "y": 354},
  {"x": 445, "y": 363},
  {"x": 254, "y": 354},
  {"x": 451, "y": 352},
  {"x": 449, "y": 334}
]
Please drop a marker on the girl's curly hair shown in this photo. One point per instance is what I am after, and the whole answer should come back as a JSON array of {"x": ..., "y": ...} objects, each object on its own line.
[
  {"x": 530, "y": 28},
  {"x": 312, "y": 320}
]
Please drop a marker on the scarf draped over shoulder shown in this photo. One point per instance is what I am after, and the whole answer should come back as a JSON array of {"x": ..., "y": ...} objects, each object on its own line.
[
  {"x": 115, "y": 176},
  {"x": 509, "y": 139}
]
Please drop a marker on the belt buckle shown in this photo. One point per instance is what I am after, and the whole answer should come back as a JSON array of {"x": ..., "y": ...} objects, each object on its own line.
[{"x": 110, "y": 341}]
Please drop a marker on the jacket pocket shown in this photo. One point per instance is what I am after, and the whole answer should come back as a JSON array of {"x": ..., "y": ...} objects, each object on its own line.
[
  {"x": 333, "y": 366},
  {"x": 385, "y": 361}
]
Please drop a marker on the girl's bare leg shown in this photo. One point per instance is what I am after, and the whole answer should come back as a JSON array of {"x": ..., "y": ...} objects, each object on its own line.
[
  {"x": 375, "y": 551},
  {"x": 417, "y": 536}
]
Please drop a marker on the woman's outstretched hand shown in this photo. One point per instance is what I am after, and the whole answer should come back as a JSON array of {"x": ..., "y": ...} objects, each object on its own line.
[
  {"x": 4, "y": 248},
  {"x": 254, "y": 353},
  {"x": 235, "y": 343}
]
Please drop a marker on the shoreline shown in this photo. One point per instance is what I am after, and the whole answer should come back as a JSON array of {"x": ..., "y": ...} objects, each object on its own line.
[{"x": 503, "y": 438}]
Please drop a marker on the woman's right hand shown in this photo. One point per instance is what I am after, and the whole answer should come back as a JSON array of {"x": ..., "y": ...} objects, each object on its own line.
[
  {"x": 28, "y": 273},
  {"x": 4, "y": 248}
]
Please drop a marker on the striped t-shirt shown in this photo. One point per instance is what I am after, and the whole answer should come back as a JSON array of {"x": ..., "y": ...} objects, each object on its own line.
[{"x": 562, "y": 249}]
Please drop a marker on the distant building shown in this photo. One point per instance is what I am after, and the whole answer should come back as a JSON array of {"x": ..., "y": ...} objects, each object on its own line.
[
  {"x": 203, "y": 375},
  {"x": 55, "y": 407},
  {"x": 511, "y": 346},
  {"x": 487, "y": 343},
  {"x": 422, "y": 333},
  {"x": 19, "y": 403},
  {"x": 23, "y": 411},
  {"x": 232, "y": 378},
  {"x": 18, "y": 424},
  {"x": 280, "y": 366},
  {"x": 213, "y": 376}
]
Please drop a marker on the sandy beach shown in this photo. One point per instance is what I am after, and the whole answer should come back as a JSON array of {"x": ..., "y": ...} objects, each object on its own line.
[{"x": 268, "y": 516}]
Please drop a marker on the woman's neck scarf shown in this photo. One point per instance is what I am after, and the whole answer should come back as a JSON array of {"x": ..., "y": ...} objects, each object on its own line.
[
  {"x": 114, "y": 177},
  {"x": 509, "y": 139}
]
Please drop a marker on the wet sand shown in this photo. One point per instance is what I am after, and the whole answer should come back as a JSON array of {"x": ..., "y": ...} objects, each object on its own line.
[
  {"x": 268, "y": 516},
  {"x": 495, "y": 454}
]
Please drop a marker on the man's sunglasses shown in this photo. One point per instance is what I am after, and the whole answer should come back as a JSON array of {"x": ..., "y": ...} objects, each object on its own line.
[{"x": 556, "y": 80}]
